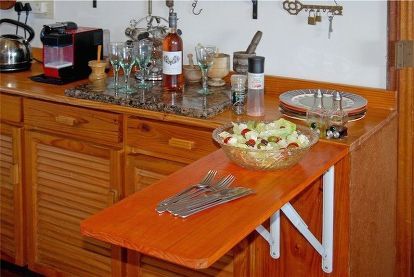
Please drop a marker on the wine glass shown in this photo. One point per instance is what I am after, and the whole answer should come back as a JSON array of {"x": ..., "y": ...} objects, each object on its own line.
[
  {"x": 127, "y": 61},
  {"x": 115, "y": 58},
  {"x": 205, "y": 56},
  {"x": 143, "y": 53}
]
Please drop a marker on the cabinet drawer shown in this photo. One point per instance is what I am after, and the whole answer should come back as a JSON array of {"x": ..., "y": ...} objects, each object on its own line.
[
  {"x": 178, "y": 142},
  {"x": 11, "y": 108},
  {"x": 68, "y": 120}
]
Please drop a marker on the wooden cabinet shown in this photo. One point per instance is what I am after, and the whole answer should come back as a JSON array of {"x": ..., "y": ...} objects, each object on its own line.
[
  {"x": 11, "y": 197},
  {"x": 69, "y": 180},
  {"x": 12, "y": 237},
  {"x": 72, "y": 172}
]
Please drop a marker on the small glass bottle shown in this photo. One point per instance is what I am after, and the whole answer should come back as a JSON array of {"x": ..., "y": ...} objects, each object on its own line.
[
  {"x": 316, "y": 115},
  {"x": 337, "y": 119},
  {"x": 238, "y": 93},
  {"x": 172, "y": 57},
  {"x": 255, "y": 83}
]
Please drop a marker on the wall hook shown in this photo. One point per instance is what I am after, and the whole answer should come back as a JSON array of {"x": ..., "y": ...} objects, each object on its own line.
[
  {"x": 194, "y": 6},
  {"x": 255, "y": 8}
]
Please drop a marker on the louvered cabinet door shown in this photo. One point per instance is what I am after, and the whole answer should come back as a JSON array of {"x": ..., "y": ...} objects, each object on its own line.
[
  {"x": 11, "y": 201},
  {"x": 69, "y": 181},
  {"x": 141, "y": 171}
]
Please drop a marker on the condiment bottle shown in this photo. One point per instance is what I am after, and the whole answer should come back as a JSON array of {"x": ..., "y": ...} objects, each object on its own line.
[
  {"x": 316, "y": 115},
  {"x": 337, "y": 119},
  {"x": 255, "y": 83},
  {"x": 172, "y": 57},
  {"x": 238, "y": 93}
]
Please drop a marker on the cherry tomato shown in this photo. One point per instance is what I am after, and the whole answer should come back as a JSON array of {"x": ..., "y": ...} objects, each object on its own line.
[
  {"x": 250, "y": 142},
  {"x": 244, "y": 131}
]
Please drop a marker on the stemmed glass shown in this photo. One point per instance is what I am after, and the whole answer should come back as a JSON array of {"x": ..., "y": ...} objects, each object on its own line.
[
  {"x": 115, "y": 58},
  {"x": 127, "y": 62},
  {"x": 205, "y": 56},
  {"x": 143, "y": 53}
]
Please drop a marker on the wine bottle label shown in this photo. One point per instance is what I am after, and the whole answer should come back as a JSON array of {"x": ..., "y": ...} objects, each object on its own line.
[
  {"x": 255, "y": 80},
  {"x": 172, "y": 62}
]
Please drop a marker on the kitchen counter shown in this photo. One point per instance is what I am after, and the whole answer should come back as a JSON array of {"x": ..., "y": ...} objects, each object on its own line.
[
  {"x": 381, "y": 103},
  {"x": 131, "y": 148}
]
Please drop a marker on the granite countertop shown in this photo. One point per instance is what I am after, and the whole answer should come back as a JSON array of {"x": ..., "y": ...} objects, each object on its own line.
[{"x": 188, "y": 103}]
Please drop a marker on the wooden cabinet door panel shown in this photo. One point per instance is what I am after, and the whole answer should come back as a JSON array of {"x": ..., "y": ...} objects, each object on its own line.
[
  {"x": 11, "y": 201},
  {"x": 144, "y": 170},
  {"x": 11, "y": 108},
  {"x": 69, "y": 181}
]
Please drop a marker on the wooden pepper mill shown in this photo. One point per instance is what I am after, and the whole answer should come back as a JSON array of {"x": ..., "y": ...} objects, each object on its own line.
[{"x": 98, "y": 75}]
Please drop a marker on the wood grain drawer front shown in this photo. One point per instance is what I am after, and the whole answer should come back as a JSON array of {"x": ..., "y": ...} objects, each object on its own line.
[
  {"x": 83, "y": 123},
  {"x": 176, "y": 141},
  {"x": 11, "y": 108},
  {"x": 7, "y": 188}
]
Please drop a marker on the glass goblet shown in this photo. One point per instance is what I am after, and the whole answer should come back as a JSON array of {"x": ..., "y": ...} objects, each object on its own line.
[
  {"x": 205, "y": 56},
  {"x": 115, "y": 58},
  {"x": 127, "y": 61},
  {"x": 143, "y": 54}
]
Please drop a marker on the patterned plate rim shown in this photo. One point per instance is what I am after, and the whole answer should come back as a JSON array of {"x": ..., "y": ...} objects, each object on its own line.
[{"x": 286, "y": 98}]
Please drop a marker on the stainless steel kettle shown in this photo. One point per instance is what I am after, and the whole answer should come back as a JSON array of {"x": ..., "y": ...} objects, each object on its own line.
[{"x": 15, "y": 51}]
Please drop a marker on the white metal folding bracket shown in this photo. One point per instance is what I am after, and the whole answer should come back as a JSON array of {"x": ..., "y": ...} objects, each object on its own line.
[{"x": 325, "y": 249}]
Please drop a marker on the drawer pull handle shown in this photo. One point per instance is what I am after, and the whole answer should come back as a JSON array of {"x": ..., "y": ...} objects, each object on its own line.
[
  {"x": 113, "y": 196},
  {"x": 66, "y": 120},
  {"x": 181, "y": 143}
]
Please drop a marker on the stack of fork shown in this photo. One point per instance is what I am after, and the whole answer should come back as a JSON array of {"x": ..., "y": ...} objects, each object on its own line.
[{"x": 201, "y": 196}]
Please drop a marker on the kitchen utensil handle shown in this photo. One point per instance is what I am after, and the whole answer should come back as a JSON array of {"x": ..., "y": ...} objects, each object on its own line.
[
  {"x": 66, "y": 120},
  {"x": 20, "y": 24},
  {"x": 255, "y": 41},
  {"x": 181, "y": 143}
]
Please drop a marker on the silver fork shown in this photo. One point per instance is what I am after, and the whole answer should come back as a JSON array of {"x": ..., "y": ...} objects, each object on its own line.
[
  {"x": 204, "y": 206},
  {"x": 204, "y": 183},
  {"x": 223, "y": 184}
]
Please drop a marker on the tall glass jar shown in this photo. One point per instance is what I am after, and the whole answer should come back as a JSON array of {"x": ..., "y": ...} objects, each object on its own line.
[{"x": 238, "y": 93}]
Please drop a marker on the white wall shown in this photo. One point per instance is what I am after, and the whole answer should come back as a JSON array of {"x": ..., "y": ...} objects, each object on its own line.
[{"x": 355, "y": 54}]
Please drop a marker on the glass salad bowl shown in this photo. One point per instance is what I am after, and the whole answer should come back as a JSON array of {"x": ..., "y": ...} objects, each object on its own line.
[{"x": 268, "y": 145}]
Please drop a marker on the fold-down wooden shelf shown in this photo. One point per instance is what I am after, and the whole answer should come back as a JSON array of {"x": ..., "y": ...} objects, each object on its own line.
[{"x": 200, "y": 240}]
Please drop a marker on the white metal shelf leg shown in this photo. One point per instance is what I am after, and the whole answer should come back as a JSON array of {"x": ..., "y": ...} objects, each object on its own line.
[
  {"x": 275, "y": 235},
  {"x": 328, "y": 219},
  {"x": 272, "y": 237}
]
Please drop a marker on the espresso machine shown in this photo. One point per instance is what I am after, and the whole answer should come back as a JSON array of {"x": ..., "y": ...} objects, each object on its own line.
[{"x": 67, "y": 49}]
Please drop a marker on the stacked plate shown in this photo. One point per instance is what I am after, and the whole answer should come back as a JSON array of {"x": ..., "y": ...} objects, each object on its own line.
[{"x": 295, "y": 103}]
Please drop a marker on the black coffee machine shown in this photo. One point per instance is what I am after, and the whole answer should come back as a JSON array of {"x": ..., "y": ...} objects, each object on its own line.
[{"x": 67, "y": 49}]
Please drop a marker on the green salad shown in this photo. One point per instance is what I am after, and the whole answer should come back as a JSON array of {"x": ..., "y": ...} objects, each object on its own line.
[{"x": 278, "y": 134}]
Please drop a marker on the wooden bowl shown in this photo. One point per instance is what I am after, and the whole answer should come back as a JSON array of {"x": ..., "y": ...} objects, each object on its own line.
[
  {"x": 219, "y": 70},
  {"x": 192, "y": 74}
]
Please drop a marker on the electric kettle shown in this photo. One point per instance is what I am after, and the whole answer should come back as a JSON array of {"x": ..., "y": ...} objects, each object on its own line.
[{"x": 15, "y": 51}]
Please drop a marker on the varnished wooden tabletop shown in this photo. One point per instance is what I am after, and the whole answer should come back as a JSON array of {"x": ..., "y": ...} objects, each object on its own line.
[{"x": 201, "y": 239}]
